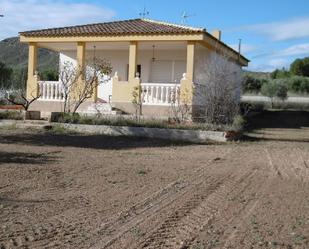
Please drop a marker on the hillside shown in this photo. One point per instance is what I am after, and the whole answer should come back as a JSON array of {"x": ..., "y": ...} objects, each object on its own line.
[
  {"x": 258, "y": 75},
  {"x": 15, "y": 54}
]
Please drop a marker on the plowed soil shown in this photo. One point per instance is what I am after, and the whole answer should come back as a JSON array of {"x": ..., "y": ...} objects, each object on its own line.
[{"x": 78, "y": 191}]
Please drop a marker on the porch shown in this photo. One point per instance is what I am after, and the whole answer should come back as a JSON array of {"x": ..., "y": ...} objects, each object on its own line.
[{"x": 162, "y": 69}]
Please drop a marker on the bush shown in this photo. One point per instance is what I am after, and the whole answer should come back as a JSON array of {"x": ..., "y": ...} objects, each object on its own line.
[
  {"x": 280, "y": 74},
  {"x": 49, "y": 75},
  {"x": 131, "y": 121},
  {"x": 298, "y": 84},
  {"x": 16, "y": 115},
  {"x": 275, "y": 88},
  {"x": 300, "y": 67},
  {"x": 252, "y": 84},
  {"x": 281, "y": 91},
  {"x": 238, "y": 123}
]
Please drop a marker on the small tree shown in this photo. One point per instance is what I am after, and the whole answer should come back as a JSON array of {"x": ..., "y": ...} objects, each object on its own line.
[
  {"x": 281, "y": 91},
  {"x": 300, "y": 67},
  {"x": 269, "y": 90},
  {"x": 137, "y": 101},
  {"x": 275, "y": 88},
  {"x": 181, "y": 107},
  {"x": 218, "y": 88},
  {"x": 18, "y": 96},
  {"x": 79, "y": 84},
  {"x": 68, "y": 77},
  {"x": 89, "y": 78}
]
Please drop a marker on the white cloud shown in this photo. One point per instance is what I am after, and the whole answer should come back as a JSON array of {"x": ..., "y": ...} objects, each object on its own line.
[
  {"x": 22, "y": 15},
  {"x": 281, "y": 31},
  {"x": 299, "y": 49},
  {"x": 278, "y": 63}
]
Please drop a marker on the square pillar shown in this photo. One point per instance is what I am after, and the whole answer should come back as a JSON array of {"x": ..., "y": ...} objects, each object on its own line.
[
  {"x": 190, "y": 60},
  {"x": 186, "y": 84},
  {"x": 133, "y": 47},
  {"x": 32, "y": 81},
  {"x": 80, "y": 56}
]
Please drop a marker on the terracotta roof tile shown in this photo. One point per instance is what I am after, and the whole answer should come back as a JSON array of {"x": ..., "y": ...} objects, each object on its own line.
[{"x": 127, "y": 27}]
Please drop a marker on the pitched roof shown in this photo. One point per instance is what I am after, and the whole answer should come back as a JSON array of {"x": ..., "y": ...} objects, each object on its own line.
[{"x": 126, "y": 27}]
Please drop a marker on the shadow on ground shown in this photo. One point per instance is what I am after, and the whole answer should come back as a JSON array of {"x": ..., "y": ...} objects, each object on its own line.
[
  {"x": 278, "y": 126},
  {"x": 27, "y": 158},
  {"x": 279, "y": 119},
  {"x": 84, "y": 141}
]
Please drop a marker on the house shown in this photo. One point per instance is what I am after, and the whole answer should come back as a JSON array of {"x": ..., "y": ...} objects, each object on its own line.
[{"x": 158, "y": 56}]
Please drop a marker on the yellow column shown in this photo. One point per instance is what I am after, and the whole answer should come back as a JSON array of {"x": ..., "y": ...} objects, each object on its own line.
[
  {"x": 80, "y": 55},
  {"x": 132, "y": 60},
  {"x": 32, "y": 83},
  {"x": 80, "y": 59},
  {"x": 186, "y": 84},
  {"x": 190, "y": 60}
]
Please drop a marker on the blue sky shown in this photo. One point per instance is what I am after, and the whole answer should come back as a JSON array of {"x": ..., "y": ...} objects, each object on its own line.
[{"x": 273, "y": 32}]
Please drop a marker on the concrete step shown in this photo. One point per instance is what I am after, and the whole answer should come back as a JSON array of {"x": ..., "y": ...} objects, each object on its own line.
[{"x": 100, "y": 108}]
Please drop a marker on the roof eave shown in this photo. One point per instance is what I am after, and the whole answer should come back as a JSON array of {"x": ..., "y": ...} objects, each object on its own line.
[{"x": 198, "y": 36}]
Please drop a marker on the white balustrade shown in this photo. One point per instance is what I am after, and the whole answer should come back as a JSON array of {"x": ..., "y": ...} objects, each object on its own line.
[
  {"x": 159, "y": 93},
  {"x": 50, "y": 90}
]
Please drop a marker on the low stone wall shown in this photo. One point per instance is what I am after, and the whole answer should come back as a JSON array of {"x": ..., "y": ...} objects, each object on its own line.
[{"x": 194, "y": 136}]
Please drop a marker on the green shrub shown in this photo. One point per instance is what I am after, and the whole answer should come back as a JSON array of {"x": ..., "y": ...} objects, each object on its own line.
[
  {"x": 281, "y": 91},
  {"x": 280, "y": 74},
  {"x": 269, "y": 89},
  {"x": 252, "y": 84},
  {"x": 16, "y": 115},
  {"x": 275, "y": 88},
  {"x": 238, "y": 123},
  {"x": 131, "y": 121},
  {"x": 298, "y": 84}
]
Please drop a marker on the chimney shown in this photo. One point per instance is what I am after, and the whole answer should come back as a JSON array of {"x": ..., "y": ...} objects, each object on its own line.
[{"x": 217, "y": 34}]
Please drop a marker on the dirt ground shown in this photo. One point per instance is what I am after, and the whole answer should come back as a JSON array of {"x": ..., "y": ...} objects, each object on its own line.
[{"x": 78, "y": 191}]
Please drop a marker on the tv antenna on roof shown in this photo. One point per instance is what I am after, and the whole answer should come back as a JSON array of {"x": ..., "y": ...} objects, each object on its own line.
[
  {"x": 144, "y": 13},
  {"x": 184, "y": 17}
]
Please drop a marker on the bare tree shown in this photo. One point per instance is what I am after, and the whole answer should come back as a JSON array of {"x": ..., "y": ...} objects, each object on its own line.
[
  {"x": 18, "y": 96},
  {"x": 137, "y": 101},
  {"x": 68, "y": 76},
  {"x": 180, "y": 104},
  {"x": 217, "y": 89},
  {"x": 79, "y": 84}
]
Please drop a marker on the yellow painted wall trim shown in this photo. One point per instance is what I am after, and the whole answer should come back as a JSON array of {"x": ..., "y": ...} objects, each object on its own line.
[{"x": 32, "y": 81}]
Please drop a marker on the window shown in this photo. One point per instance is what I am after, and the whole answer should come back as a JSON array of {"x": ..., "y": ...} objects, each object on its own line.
[
  {"x": 167, "y": 71},
  {"x": 138, "y": 70}
]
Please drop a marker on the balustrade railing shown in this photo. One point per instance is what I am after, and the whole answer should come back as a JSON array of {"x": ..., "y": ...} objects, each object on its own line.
[
  {"x": 159, "y": 93},
  {"x": 50, "y": 90}
]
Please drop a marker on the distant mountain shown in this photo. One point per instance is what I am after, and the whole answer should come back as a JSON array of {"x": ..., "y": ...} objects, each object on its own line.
[{"x": 15, "y": 54}]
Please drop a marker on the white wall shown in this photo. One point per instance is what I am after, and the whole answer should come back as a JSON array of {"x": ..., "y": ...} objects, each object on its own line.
[
  {"x": 208, "y": 63},
  {"x": 120, "y": 60}
]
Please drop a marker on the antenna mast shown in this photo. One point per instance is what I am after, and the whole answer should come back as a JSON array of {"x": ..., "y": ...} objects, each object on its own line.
[
  {"x": 239, "y": 49},
  {"x": 184, "y": 17},
  {"x": 144, "y": 13}
]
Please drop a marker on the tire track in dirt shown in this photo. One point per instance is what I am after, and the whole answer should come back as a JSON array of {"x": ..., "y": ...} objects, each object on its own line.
[
  {"x": 302, "y": 166},
  {"x": 238, "y": 221},
  {"x": 46, "y": 234},
  {"x": 152, "y": 205},
  {"x": 182, "y": 226},
  {"x": 273, "y": 167},
  {"x": 155, "y": 210}
]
